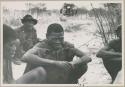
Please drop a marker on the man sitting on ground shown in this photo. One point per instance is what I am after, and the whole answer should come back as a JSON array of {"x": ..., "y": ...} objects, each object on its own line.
[
  {"x": 27, "y": 36},
  {"x": 56, "y": 56},
  {"x": 112, "y": 55}
]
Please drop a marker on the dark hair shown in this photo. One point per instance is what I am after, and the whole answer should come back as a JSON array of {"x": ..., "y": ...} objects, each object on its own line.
[
  {"x": 56, "y": 28},
  {"x": 8, "y": 34}
]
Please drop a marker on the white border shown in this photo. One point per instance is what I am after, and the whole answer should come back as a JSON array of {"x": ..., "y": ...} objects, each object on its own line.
[{"x": 55, "y": 85}]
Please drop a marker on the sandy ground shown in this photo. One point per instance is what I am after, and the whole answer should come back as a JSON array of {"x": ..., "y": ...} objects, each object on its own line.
[{"x": 82, "y": 37}]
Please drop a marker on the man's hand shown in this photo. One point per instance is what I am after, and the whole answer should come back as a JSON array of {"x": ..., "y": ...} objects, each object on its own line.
[
  {"x": 82, "y": 60},
  {"x": 86, "y": 59},
  {"x": 79, "y": 61}
]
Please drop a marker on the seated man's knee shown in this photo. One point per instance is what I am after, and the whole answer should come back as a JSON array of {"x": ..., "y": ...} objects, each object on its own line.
[
  {"x": 78, "y": 72},
  {"x": 84, "y": 68},
  {"x": 41, "y": 71},
  {"x": 81, "y": 70}
]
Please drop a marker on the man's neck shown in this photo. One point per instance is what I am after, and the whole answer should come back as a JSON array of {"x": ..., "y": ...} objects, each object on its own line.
[{"x": 51, "y": 47}]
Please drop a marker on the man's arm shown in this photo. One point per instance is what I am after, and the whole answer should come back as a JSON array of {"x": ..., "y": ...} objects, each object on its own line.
[
  {"x": 116, "y": 59},
  {"x": 83, "y": 58},
  {"x": 32, "y": 57},
  {"x": 107, "y": 53}
]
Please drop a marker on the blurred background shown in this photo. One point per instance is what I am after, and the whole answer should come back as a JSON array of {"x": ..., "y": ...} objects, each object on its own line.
[{"x": 88, "y": 25}]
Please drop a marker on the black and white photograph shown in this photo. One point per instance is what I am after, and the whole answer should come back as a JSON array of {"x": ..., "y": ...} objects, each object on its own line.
[{"x": 62, "y": 42}]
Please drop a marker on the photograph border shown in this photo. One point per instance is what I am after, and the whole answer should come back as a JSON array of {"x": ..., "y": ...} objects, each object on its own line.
[{"x": 63, "y": 85}]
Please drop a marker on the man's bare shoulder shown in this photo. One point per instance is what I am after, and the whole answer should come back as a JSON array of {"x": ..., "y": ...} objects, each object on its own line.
[
  {"x": 114, "y": 41},
  {"x": 68, "y": 45},
  {"x": 41, "y": 44}
]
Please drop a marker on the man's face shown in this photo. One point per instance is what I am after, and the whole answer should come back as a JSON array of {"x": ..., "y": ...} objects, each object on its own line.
[
  {"x": 29, "y": 24},
  {"x": 56, "y": 40},
  {"x": 10, "y": 48}
]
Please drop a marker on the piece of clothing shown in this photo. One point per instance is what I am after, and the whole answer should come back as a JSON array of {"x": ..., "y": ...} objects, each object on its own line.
[
  {"x": 113, "y": 67},
  {"x": 67, "y": 53},
  {"x": 28, "y": 38}
]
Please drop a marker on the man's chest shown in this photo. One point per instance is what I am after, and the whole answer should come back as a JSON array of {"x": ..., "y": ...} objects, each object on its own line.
[
  {"x": 26, "y": 35},
  {"x": 61, "y": 55}
]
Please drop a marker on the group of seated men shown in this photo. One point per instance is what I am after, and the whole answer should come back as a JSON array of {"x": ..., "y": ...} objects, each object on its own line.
[{"x": 50, "y": 61}]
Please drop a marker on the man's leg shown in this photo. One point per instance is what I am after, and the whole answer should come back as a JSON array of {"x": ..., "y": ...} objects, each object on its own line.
[
  {"x": 35, "y": 76},
  {"x": 113, "y": 67},
  {"x": 78, "y": 71}
]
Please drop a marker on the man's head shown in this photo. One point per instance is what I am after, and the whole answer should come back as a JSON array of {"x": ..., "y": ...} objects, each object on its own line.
[
  {"x": 55, "y": 35},
  {"x": 9, "y": 41},
  {"x": 118, "y": 31},
  {"x": 29, "y": 21}
]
